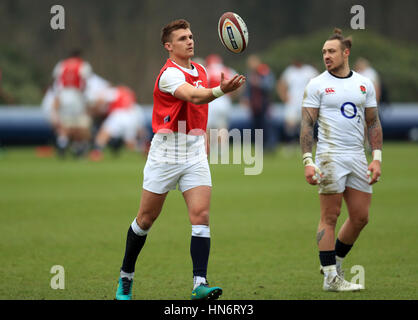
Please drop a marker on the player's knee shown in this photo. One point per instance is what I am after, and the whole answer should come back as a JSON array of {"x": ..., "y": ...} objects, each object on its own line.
[
  {"x": 330, "y": 219},
  {"x": 145, "y": 221},
  {"x": 200, "y": 217},
  {"x": 360, "y": 221}
]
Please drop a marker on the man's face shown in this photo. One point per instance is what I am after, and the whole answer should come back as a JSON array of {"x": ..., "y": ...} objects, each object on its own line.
[
  {"x": 333, "y": 55},
  {"x": 253, "y": 62},
  {"x": 181, "y": 44}
]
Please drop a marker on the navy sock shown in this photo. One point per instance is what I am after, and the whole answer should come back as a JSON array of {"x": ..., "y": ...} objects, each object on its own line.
[
  {"x": 341, "y": 249},
  {"x": 327, "y": 258},
  {"x": 199, "y": 250},
  {"x": 134, "y": 244}
]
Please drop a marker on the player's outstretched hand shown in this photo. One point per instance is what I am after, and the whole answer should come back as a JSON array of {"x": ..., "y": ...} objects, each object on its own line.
[
  {"x": 231, "y": 84},
  {"x": 374, "y": 172},
  {"x": 313, "y": 174}
]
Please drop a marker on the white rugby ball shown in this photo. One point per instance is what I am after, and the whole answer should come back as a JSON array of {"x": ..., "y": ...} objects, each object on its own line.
[{"x": 233, "y": 32}]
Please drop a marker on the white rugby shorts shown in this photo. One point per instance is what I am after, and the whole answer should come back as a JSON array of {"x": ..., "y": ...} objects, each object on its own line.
[
  {"x": 341, "y": 171},
  {"x": 123, "y": 123},
  {"x": 161, "y": 177},
  {"x": 82, "y": 121},
  {"x": 72, "y": 108},
  {"x": 71, "y": 102}
]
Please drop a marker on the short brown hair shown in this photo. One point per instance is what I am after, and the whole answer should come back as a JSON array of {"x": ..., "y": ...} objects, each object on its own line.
[
  {"x": 346, "y": 42},
  {"x": 173, "y": 26}
]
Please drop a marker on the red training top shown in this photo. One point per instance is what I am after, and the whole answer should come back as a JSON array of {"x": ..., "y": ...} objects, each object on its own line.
[
  {"x": 70, "y": 73},
  {"x": 168, "y": 110},
  {"x": 214, "y": 74},
  {"x": 125, "y": 99}
]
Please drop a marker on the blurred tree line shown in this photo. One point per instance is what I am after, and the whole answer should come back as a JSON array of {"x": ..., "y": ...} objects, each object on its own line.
[{"x": 122, "y": 39}]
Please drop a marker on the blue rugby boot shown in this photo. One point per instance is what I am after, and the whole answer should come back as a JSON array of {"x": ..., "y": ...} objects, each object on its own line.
[
  {"x": 204, "y": 292},
  {"x": 124, "y": 290}
]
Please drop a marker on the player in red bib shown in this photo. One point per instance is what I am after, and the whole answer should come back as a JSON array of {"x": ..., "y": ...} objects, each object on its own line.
[
  {"x": 124, "y": 120},
  {"x": 178, "y": 156},
  {"x": 69, "y": 114}
]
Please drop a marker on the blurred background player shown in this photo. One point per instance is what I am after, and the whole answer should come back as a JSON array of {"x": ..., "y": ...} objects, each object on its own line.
[
  {"x": 220, "y": 108},
  {"x": 290, "y": 88},
  {"x": 257, "y": 97},
  {"x": 363, "y": 67},
  {"x": 95, "y": 86},
  {"x": 69, "y": 114},
  {"x": 47, "y": 107},
  {"x": 124, "y": 122},
  {"x": 47, "y": 104}
]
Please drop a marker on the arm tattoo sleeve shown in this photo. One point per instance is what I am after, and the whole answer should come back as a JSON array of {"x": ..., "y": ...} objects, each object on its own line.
[
  {"x": 374, "y": 129},
  {"x": 309, "y": 117}
]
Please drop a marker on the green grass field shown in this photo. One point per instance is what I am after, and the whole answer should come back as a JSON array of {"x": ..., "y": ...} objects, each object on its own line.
[{"x": 76, "y": 214}]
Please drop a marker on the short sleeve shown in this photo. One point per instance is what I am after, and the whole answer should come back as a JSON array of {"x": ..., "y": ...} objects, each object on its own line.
[
  {"x": 109, "y": 95},
  {"x": 170, "y": 80},
  {"x": 285, "y": 75},
  {"x": 86, "y": 70},
  {"x": 57, "y": 70},
  {"x": 311, "y": 96}
]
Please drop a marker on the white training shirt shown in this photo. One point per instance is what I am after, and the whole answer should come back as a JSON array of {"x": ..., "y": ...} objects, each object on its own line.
[
  {"x": 95, "y": 85},
  {"x": 109, "y": 94},
  {"x": 371, "y": 74},
  {"x": 172, "y": 78},
  {"x": 177, "y": 147},
  {"x": 341, "y": 103},
  {"x": 296, "y": 80},
  {"x": 47, "y": 104}
]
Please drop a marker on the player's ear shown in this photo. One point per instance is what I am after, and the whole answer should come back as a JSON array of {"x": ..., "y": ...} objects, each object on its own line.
[
  {"x": 168, "y": 46},
  {"x": 346, "y": 52}
]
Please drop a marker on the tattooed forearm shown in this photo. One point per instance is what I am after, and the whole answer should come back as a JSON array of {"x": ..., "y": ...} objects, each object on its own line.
[
  {"x": 374, "y": 129},
  {"x": 309, "y": 117}
]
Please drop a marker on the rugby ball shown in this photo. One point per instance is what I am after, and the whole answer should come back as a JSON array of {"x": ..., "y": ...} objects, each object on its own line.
[{"x": 233, "y": 32}]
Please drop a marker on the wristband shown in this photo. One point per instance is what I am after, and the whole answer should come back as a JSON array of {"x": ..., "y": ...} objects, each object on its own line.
[
  {"x": 307, "y": 159},
  {"x": 217, "y": 92},
  {"x": 377, "y": 155}
]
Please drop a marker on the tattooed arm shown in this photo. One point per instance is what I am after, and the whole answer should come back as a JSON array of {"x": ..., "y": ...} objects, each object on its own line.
[
  {"x": 374, "y": 129},
  {"x": 309, "y": 117},
  {"x": 375, "y": 136}
]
